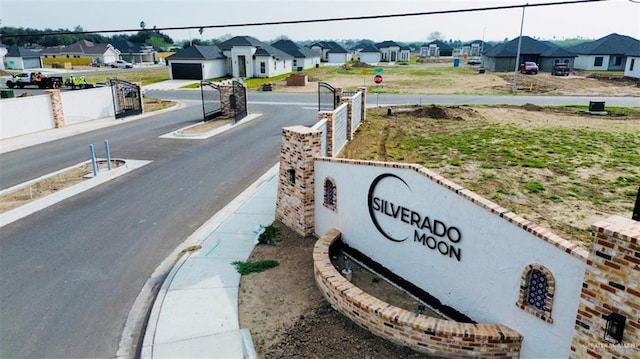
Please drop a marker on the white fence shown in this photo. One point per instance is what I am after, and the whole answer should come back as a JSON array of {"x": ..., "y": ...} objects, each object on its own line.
[
  {"x": 322, "y": 127},
  {"x": 23, "y": 115},
  {"x": 339, "y": 129},
  {"x": 356, "y": 113}
]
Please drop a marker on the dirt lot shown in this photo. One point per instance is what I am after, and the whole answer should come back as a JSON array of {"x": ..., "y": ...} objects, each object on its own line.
[{"x": 441, "y": 79}]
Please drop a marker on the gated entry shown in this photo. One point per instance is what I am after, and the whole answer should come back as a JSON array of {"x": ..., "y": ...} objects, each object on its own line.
[
  {"x": 239, "y": 101},
  {"x": 127, "y": 100},
  {"x": 211, "y": 105},
  {"x": 326, "y": 97}
]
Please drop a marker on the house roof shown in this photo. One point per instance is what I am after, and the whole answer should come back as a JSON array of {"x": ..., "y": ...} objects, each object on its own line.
[
  {"x": 126, "y": 47},
  {"x": 529, "y": 46},
  {"x": 370, "y": 49},
  {"x": 612, "y": 44},
  {"x": 441, "y": 45},
  {"x": 16, "y": 51},
  {"x": 333, "y": 47},
  {"x": 294, "y": 49},
  {"x": 387, "y": 43},
  {"x": 198, "y": 52},
  {"x": 485, "y": 46},
  {"x": 262, "y": 48},
  {"x": 81, "y": 47}
]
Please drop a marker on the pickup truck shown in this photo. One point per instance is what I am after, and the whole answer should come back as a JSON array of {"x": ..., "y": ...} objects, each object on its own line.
[
  {"x": 529, "y": 68},
  {"x": 23, "y": 79},
  {"x": 560, "y": 70}
]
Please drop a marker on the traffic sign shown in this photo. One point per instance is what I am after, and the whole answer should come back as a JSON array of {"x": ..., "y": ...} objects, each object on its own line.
[
  {"x": 379, "y": 70},
  {"x": 364, "y": 71},
  {"x": 377, "y": 79}
]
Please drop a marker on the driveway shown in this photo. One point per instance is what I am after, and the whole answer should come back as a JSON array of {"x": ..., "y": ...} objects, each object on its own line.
[{"x": 169, "y": 84}]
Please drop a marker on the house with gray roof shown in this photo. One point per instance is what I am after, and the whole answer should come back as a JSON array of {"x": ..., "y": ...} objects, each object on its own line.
[
  {"x": 608, "y": 53},
  {"x": 250, "y": 57},
  {"x": 391, "y": 51},
  {"x": 135, "y": 52},
  {"x": 502, "y": 57},
  {"x": 303, "y": 57},
  {"x": 331, "y": 52},
  {"x": 436, "y": 48},
  {"x": 20, "y": 58},
  {"x": 632, "y": 68},
  {"x": 86, "y": 53},
  {"x": 474, "y": 48},
  {"x": 197, "y": 63},
  {"x": 3, "y": 53}
]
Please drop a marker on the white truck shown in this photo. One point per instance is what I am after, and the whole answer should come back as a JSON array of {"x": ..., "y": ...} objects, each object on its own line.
[{"x": 23, "y": 79}]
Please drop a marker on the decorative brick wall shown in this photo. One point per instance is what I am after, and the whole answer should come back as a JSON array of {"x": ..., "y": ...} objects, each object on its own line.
[
  {"x": 611, "y": 285},
  {"x": 295, "y": 203},
  {"x": 56, "y": 107},
  {"x": 363, "y": 108},
  {"x": 422, "y": 333},
  {"x": 329, "y": 135}
]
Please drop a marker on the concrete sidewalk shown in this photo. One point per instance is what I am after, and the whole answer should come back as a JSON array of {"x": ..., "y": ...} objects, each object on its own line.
[{"x": 196, "y": 311}]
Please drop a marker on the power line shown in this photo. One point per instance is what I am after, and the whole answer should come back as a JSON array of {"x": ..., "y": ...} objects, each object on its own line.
[{"x": 293, "y": 22}]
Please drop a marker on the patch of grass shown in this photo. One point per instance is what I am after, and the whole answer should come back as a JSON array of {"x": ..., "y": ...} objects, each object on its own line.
[
  {"x": 253, "y": 84},
  {"x": 245, "y": 268},
  {"x": 534, "y": 187},
  {"x": 143, "y": 76}
]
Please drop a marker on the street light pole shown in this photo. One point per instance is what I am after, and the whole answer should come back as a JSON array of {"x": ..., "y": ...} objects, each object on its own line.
[{"x": 514, "y": 87}]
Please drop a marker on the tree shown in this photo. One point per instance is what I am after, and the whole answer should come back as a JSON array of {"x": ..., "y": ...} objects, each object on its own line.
[{"x": 435, "y": 35}]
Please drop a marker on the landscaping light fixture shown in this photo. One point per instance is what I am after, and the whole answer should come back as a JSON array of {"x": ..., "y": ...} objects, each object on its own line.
[{"x": 615, "y": 328}]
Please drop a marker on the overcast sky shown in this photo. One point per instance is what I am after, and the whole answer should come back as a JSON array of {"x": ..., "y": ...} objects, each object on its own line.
[{"x": 589, "y": 20}]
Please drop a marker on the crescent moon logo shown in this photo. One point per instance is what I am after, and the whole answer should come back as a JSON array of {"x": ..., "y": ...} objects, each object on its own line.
[{"x": 372, "y": 189}]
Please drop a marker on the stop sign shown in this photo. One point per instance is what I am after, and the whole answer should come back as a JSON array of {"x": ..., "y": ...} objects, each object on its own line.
[{"x": 377, "y": 79}]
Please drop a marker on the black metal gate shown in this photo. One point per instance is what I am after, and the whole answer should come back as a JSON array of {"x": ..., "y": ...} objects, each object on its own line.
[
  {"x": 127, "y": 98},
  {"x": 326, "y": 97},
  {"x": 211, "y": 105},
  {"x": 239, "y": 101}
]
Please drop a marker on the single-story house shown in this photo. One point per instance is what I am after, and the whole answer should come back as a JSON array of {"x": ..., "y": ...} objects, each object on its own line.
[
  {"x": 608, "y": 53},
  {"x": 502, "y": 57},
  {"x": 370, "y": 55},
  {"x": 250, "y": 57},
  {"x": 436, "y": 48},
  {"x": 392, "y": 51},
  {"x": 303, "y": 57},
  {"x": 20, "y": 58},
  {"x": 197, "y": 63},
  {"x": 331, "y": 52},
  {"x": 474, "y": 48},
  {"x": 134, "y": 52},
  {"x": 82, "y": 52}
]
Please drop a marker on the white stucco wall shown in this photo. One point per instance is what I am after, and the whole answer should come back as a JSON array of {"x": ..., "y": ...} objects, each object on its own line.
[
  {"x": 484, "y": 283},
  {"x": 585, "y": 62},
  {"x": 635, "y": 60},
  {"x": 86, "y": 105},
  {"x": 214, "y": 68},
  {"x": 247, "y": 52},
  {"x": 19, "y": 116}
]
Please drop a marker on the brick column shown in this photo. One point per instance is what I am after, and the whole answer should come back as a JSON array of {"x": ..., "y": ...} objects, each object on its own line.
[
  {"x": 349, "y": 102},
  {"x": 363, "y": 108},
  {"x": 611, "y": 285},
  {"x": 226, "y": 91},
  {"x": 56, "y": 107},
  {"x": 338, "y": 99},
  {"x": 295, "y": 204},
  {"x": 329, "y": 116}
]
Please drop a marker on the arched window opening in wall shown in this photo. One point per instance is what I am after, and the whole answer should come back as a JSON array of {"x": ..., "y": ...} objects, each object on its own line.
[
  {"x": 330, "y": 194},
  {"x": 537, "y": 288}
]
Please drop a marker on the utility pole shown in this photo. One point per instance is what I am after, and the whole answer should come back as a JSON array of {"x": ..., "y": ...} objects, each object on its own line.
[{"x": 514, "y": 87}]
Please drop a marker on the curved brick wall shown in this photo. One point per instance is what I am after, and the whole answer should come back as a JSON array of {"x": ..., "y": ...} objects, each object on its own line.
[{"x": 421, "y": 333}]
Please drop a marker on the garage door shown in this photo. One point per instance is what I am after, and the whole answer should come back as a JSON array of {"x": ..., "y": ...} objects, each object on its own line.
[{"x": 186, "y": 71}]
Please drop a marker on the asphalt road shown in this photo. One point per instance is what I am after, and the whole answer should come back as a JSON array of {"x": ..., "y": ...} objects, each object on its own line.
[{"x": 71, "y": 272}]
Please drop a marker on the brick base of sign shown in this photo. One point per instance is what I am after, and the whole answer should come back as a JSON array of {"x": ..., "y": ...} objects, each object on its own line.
[{"x": 424, "y": 334}]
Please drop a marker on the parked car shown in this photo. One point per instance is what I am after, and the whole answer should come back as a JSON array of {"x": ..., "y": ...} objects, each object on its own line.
[
  {"x": 529, "y": 68},
  {"x": 474, "y": 61},
  {"x": 560, "y": 70},
  {"x": 121, "y": 64}
]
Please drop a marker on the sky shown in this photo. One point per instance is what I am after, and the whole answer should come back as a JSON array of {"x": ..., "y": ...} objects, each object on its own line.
[{"x": 591, "y": 20}]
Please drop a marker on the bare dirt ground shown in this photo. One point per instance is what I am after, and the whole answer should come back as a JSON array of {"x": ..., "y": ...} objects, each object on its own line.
[{"x": 400, "y": 80}]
